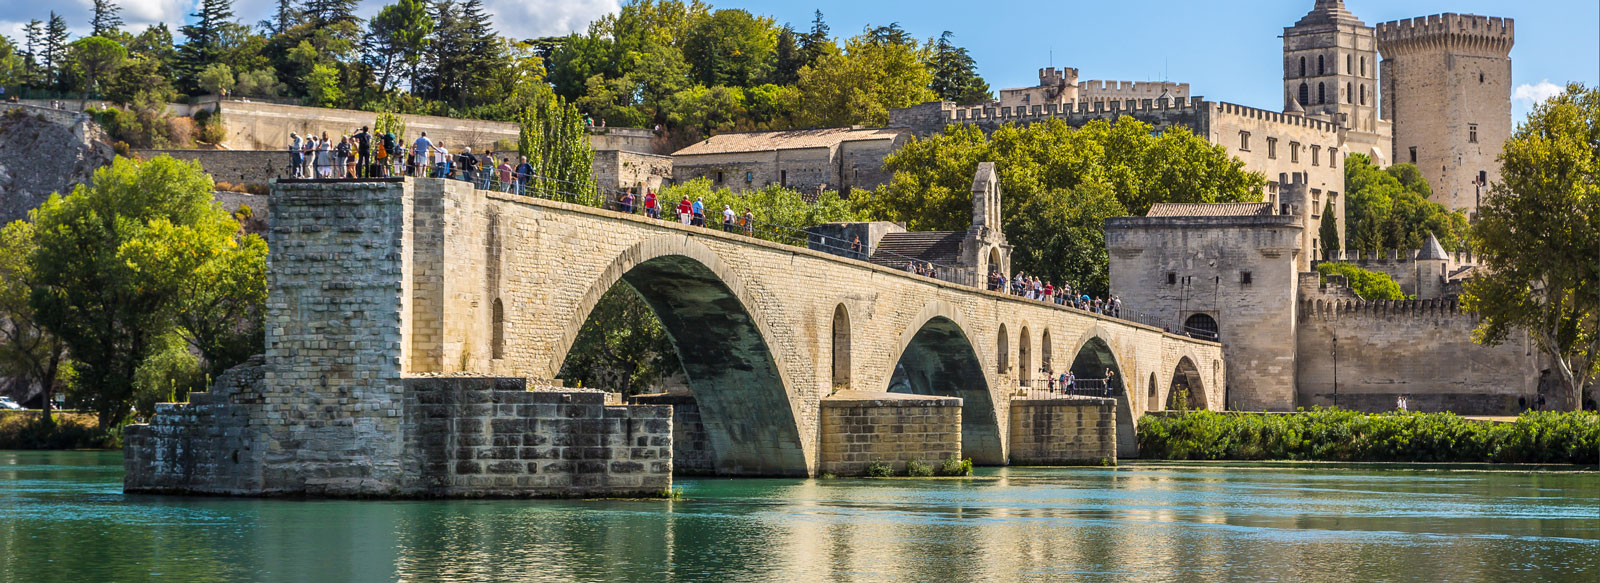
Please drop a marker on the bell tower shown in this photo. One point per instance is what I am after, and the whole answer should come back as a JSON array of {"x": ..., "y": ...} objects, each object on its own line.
[{"x": 1330, "y": 67}]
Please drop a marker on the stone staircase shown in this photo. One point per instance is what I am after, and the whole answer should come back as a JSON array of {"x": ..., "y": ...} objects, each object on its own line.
[{"x": 939, "y": 247}]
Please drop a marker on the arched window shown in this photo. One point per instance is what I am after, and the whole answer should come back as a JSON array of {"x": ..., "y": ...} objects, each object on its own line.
[
  {"x": 1363, "y": 94},
  {"x": 1044, "y": 353},
  {"x": 1026, "y": 373},
  {"x": 1363, "y": 66},
  {"x": 1305, "y": 95},
  {"x": 497, "y": 345},
  {"x": 841, "y": 349},
  {"x": 1322, "y": 93},
  {"x": 1002, "y": 350},
  {"x": 1321, "y": 70},
  {"x": 1349, "y": 92},
  {"x": 1349, "y": 64},
  {"x": 1302, "y": 66},
  {"x": 1201, "y": 326}
]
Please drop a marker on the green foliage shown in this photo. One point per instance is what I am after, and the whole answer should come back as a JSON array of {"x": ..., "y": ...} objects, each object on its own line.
[
  {"x": 24, "y": 430},
  {"x": 27, "y": 350},
  {"x": 1388, "y": 208},
  {"x": 1370, "y": 285},
  {"x": 917, "y": 469},
  {"x": 217, "y": 78},
  {"x": 1062, "y": 182},
  {"x": 1328, "y": 232},
  {"x": 860, "y": 84},
  {"x": 781, "y": 214},
  {"x": 1536, "y": 238},
  {"x": 96, "y": 57},
  {"x": 121, "y": 263},
  {"x": 731, "y": 47},
  {"x": 955, "y": 74},
  {"x": 322, "y": 87},
  {"x": 556, "y": 143},
  {"x": 879, "y": 470},
  {"x": 955, "y": 466},
  {"x": 1341, "y": 435},
  {"x": 390, "y": 123},
  {"x": 622, "y": 345},
  {"x": 167, "y": 375}
]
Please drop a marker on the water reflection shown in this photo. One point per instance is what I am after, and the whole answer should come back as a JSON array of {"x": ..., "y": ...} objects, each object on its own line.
[{"x": 63, "y": 518}]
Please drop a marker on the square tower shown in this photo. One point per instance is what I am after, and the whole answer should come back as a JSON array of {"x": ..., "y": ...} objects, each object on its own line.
[
  {"x": 1330, "y": 67},
  {"x": 1447, "y": 88}
]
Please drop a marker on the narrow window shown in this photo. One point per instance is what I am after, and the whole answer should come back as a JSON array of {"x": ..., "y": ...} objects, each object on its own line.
[
  {"x": 1244, "y": 141},
  {"x": 1333, "y": 157},
  {"x": 1316, "y": 203},
  {"x": 1316, "y": 155},
  {"x": 1472, "y": 133},
  {"x": 1294, "y": 152},
  {"x": 1322, "y": 94},
  {"x": 1302, "y": 66},
  {"x": 719, "y": 178},
  {"x": 1349, "y": 64},
  {"x": 1413, "y": 154},
  {"x": 1321, "y": 70},
  {"x": 783, "y": 178},
  {"x": 1172, "y": 278},
  {"x": 1363, "y": 66},
  {"x": 1305, "y": 95},
  {"x": 1349, "y": 92},
  {"x": 1244, "y": 277},
  {"x": 1272, "y": 148},
  {"x": 1480, "y": 76},
  {"x": 1483, "y": 177},
  {"x": 1363, "y": 95}
]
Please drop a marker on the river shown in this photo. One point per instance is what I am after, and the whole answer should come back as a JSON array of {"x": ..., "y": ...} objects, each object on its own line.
[{"x": 63, "y": 517}]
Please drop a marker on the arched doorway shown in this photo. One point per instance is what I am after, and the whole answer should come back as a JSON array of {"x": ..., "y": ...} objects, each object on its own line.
[
  {"x": 940, "y": 360},
  {"x": 1153, "y": 401},
  {"x": 1003, "y": 351},
  {"x": 994, "y": 263},
  {"x": 1187, "y": 391},
  {"x": 1045, "y": 366},
  {"x": 744, "y": 405},
  {"x": 1024, "y": 359},
  {"x": 1096, "y": 363},
  {"x": 1201, "y": 326},
  {"x": 841, "y": 349}
]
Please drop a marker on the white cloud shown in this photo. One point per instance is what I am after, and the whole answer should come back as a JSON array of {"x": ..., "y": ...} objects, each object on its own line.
[
  {"x": 1536, "y": 93},
  {"x": 522, "y": 19}
]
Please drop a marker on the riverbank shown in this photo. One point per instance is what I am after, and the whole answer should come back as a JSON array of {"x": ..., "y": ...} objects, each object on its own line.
[
  {"x": 71, "y": 430},
  {"x": 1338, "y": 435}
]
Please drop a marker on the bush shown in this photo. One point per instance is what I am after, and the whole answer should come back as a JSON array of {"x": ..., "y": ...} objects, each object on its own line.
[
  {"x": 879, "y": 470},
  {"x": 27, "y": 430},
  {"x": 955, "y": 466},
  {"x": 1329, "y": 434},
  {"x": 917, "y": 469},
  {"x": 212, "y": 130},
  {"x": 181, "y": 131},
  {"x": 1370, "y": 285}
]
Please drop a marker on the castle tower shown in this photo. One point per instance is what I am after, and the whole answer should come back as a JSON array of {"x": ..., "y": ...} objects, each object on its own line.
[
  {"x": 1447, "y": 88},
  {"x": 1330, "y": 67}
]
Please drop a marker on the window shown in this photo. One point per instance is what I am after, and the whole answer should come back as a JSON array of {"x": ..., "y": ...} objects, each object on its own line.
[
  {"x": 719, "y": 178},
  {"x": 1480, "y": 76},
  {"x": 1244, "y": 278},
  {"x": 1483, "y": 178},
  {"x": 1316, "y": 155},
  {"x": 783, "y": 178},
  {"x": 1333, "y": 157},
  {"x": 1272, "y": 148},
  {"x": 1201, "y": 326},
  {"x": 1302, "y": 66},
  {"x": 1316, "y": 203},
  {"x": 1244, "y": 141},
  {"x": 1472, "y": 133},
  {"x": 1349, "y": 64},
  {"x": 1413, "y": 154},
  {"x": 1172, "y": 278},
  {"x": 1294, "y": 152},
  {"x": 1349, "y": 92},
  {"x": 1322, "y": 94},
  {"x": 1363, "y": 66},
  {"x": 1305, "y": 94},
  {"x": 1363, "y": 95},
  {"x": 1321, "y": 70}
]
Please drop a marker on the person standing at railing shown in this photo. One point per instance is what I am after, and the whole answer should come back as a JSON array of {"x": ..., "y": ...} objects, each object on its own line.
[
  {"x": 325, "y": 157},
  {"x": 749, "y": 223},
  {"x": 363, "y": 153},
  {"x": 441, "y": 161},
  {"x": 420, "y": 150},
  {"x": 505, "y": 175},
  {"x": 523, "y": 175},
  {"x": 625, "y": 204},
  {"x": 685, "y": 211},
  {"x": 294, "y": 155},
  {"x": 727, "y": 219},
  {"x": 468, "y": 164},
  {"x": 652, "y": 207},
  {"x": 699, "y": 210},
  {"x": 855, "y": 248},
  {"x": 487, "y": 175},
  {"x": 341, "y": 154}
]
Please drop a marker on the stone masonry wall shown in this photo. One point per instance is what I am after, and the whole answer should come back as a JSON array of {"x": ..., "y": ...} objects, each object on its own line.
[
  {"x": 475, "y": 436},
  {"x": 1069, "y": 431},
  {"x": 209, "y": 444},
  {"x": 888, "y": 428},
  {"x": 235, "y": 166},
  {"x": 692, "y": 453}
]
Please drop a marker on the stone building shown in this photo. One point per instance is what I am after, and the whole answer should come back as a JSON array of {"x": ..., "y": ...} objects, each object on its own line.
[
  {"x": 841, "y": 159},
  {"x": 1060, "y": 87},
  {"x": 1330, "y": 69},
  {"x": 1447, "y": 87}
]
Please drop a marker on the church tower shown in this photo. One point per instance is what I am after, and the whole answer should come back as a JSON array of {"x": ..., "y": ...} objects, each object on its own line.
[
  {"x": 1330, "y": 67},
  {"x": 1447, "y": 87}
]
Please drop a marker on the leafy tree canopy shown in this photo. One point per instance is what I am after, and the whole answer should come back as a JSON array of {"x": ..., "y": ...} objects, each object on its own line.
[
  {"x": 1388, "y": 208},
  {"x": 1370, "y": 285}
]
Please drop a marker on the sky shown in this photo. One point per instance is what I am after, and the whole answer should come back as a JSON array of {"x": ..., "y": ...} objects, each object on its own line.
[{"x": 1225, "y": 50}]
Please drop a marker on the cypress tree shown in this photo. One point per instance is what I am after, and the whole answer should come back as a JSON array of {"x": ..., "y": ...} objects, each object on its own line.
[
  {"x": 204, "y": 37},
  {"x": 55, "y": 47},
  {"x": 556, "y": 143},
  {"x": 106, "y": 17},
  {"x": 955, "y": 75},
  {"x": 33, "y": 36}
]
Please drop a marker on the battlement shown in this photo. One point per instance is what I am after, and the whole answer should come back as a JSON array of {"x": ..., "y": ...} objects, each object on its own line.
[
  {"x": 1449, "y": 30},
  {"x": 1051, "y": 76},
  {"x": 1327, "y": 309},
  {"x": 1131, "y": 88},
  {"x": 1276, "y": 116},
  {"x": 956, "y": 114},
  {"x": 1363, "y": 258}
]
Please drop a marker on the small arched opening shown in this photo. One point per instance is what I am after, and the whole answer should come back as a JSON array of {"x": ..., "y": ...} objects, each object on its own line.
[
  {"x": 1002, "y": 351},
  {"x": 1302, "y": 66},
  {"x": 941, "y": 360},
  {"x": 994, "y": 266},
  {"x": 1024, "y": 359},
  {"x": 1187, "y": 391},
  {"x": 841, "y": 349},
  {"x": 1045, "y": 364},
  {"x": 1305, "y": 94},
  {"x": 1201, "y": 326},
  {"x": 1322, "y": 93},
  {"x": 1096, "y": 366},
  {"x": 1153, "y": 401},
  {"x": 497, "y": 344},
  {"x": 1321, "y": 66}
]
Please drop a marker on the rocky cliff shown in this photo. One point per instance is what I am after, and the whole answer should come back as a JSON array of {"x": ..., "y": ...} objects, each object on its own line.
[{"x": 44, "y": 151}]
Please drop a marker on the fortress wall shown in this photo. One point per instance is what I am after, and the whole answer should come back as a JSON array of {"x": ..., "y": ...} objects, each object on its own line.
[
  {"x": 266, "y": 126},
  {"x": 1419, "y": 348},
  {"x": 235, "y": 166}
]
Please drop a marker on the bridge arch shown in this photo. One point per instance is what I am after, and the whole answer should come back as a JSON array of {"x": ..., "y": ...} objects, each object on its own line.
[
  {"x": 722, "y": 341},
  {"x": 1092, "y": 358},
  {"x": 937, "y": 357},
  {"x": 1186, "y": 377},
  {"x": 839, "y": 351},
  {"x": 1025, "y": 371}
]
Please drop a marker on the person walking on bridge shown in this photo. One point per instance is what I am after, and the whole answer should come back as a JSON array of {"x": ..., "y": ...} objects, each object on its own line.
[
  {"x": 363, "y": 153},
  {"x": 652, "y": 207},
  {"x": 699, "y": 209},
  {"x": 685, "y": 211},
  {"x": 420, "y": 148},
  {"x": 727, "y": 219}
]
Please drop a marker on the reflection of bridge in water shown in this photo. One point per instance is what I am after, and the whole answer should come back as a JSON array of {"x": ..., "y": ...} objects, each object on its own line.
[{"x": 377, "y": 285}]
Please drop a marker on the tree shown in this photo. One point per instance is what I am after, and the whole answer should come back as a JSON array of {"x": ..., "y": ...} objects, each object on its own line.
[
  {"x": 1370, "y": 285},
  {"x": 731, "y": 47},
  {"x": 55, "y": 48},
  {"x": 1083, "y": 174},
  {"x": 112, "y": 264},
  {"x": 622, "y": 345},
  {"x": 1389, "y": 209},
  {"x": 399, "y": 37},
  {"x": 786, "y": 58},
  {"x": 556, "y": 143},
  {"x": 1328, "y": 232},
  {"x": 106, "y": 18},
  {"x": 878, "y": 71},
  {"x": 27, "y": 350},
  {"x": 955, "y": 74},
  {"x": 1536, "y": 237},
  {"x": 98, "y": 56},
  {"x": 815, "y": 43},
  {"x": 203, "y": 43},
  {"x": 216, "y": 78}
]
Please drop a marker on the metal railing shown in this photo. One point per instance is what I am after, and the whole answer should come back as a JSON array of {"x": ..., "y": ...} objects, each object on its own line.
[{"x": 1044, "y": 388}]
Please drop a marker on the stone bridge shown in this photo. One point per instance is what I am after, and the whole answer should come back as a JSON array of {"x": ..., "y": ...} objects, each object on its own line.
[{"x": 499, "y": 284}]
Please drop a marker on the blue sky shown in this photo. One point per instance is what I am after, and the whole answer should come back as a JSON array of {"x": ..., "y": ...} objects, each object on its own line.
[{"x": 1226, "y": 51}]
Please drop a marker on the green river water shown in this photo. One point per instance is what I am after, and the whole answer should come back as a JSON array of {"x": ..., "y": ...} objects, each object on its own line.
[{"x": 63, "y": 517}]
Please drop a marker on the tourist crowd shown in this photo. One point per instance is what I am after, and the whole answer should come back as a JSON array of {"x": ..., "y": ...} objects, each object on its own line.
[{"x": 1033, "y": 288}]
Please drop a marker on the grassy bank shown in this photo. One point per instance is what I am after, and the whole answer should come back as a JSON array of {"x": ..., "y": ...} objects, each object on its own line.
[
  {"x": 26, "y": 430},
  {"x": 1340, "y": 435}
]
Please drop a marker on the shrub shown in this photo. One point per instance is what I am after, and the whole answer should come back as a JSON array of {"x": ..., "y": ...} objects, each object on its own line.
[
  {"x": 181, "y": 131},
  {"x": 917, "y": 469},
  {"x": 1340, "y": 435},
  {"x": 879, "y": 470},
  {"x": 955, "y": 466},
  {"x": 1370, "y": 285},
  {"x": 27, "y": 430},
  {"x": 212, "y": 130}
]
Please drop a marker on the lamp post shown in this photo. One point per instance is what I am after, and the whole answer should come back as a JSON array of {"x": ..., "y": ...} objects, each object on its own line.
[{"x": 1335, "y": 371}]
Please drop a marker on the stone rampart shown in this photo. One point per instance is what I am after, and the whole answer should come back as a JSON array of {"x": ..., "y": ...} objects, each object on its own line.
[
  {"x": 266, "y": 126},
  {"x": 1063, "y": 431},
  {"x": 859, "y": 429},
  {"x": 234, "y": 166}
]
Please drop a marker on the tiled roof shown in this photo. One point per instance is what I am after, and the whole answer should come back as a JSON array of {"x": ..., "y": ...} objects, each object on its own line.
[
  {"x": 786, "y": 140},
  {"x": 1220, "y": 209}
]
